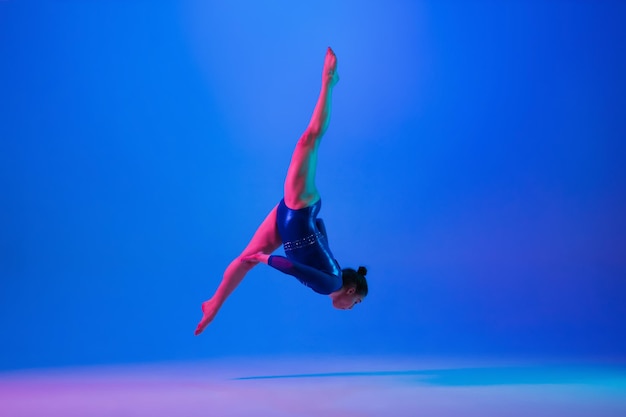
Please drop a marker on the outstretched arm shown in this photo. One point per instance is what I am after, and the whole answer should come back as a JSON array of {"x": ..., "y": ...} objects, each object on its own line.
[{"x": 319, "y": 281}]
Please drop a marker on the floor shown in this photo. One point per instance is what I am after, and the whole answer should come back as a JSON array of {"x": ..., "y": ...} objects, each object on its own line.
[{"x": 318, "y": 387}]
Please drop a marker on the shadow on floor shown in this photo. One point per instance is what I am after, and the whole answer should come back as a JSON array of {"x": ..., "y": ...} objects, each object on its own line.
[{"x": 488, "y": 376}]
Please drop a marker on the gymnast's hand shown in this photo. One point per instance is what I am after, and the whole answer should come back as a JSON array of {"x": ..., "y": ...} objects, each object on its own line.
[{"x": 256, "y": 258}]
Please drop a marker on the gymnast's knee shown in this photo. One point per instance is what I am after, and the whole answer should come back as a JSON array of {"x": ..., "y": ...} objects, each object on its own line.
[{"x": 309, "y": 138}]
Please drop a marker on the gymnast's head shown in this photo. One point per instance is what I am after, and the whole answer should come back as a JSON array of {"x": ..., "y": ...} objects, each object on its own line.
[{"x": 353, "y": 291}]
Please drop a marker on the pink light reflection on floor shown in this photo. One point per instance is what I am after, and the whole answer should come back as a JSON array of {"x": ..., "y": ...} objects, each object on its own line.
[{"x": 315, "y": 387}]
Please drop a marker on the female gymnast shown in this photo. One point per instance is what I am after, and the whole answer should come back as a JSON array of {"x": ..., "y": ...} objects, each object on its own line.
[{"x": 294, "y": 224}]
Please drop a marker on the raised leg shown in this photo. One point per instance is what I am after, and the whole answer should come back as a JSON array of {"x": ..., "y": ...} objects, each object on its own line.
[
  {"x": 300, "y": 190},
  {"x": 266, "y": 240}
]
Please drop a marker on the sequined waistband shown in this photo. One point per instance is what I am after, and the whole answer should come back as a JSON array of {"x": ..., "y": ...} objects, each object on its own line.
[{"x": 302, "y": 243}]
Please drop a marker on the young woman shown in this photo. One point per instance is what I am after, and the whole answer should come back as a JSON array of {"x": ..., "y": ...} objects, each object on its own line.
[{"x": 294, "y": 224}]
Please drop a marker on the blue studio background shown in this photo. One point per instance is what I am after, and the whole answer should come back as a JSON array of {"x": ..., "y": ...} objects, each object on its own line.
[{"x": 474, "y": 162}]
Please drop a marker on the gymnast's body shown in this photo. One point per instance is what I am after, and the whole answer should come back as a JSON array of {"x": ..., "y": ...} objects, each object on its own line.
[{"x": 294, "y": 224}]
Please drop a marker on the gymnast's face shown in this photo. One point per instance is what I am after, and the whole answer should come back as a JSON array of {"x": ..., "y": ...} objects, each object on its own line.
[{"x": 346, "y": 299}]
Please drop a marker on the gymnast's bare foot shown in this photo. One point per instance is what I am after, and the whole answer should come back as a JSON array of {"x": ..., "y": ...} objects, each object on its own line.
[
  {"x": 209, "y": 310},
  {"x": 330, "y": 75}
]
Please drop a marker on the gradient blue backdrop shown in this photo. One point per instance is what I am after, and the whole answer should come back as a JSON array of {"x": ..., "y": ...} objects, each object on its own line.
[{"x": 475, "y": 162}]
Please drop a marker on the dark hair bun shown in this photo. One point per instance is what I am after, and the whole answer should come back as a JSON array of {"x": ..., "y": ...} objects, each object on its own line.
[{"x": 362, "y": 271}]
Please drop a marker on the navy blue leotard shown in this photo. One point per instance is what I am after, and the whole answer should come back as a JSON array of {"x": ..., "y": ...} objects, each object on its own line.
[{"x": 307, "y": 255}]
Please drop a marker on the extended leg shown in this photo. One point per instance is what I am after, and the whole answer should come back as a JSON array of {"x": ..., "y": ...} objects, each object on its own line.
[
  {"x": 266, "y": 240},
  {"x": 300, "y": 190}
]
